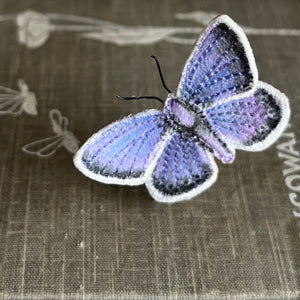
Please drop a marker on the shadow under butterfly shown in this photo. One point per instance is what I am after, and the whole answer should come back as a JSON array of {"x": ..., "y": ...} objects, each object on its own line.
[
  {"x": 63, "y": 138},
  {"x": 14, "y": 102}
]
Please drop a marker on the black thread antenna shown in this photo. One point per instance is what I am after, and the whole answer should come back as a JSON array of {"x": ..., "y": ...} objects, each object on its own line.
[
  {"x": 141, "y": 97},
  {"x": 149, "y": 97},
  {"x": 160, "y": 74}
]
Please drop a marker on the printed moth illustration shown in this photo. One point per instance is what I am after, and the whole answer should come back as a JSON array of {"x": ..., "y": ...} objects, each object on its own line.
[{"x": 218, "y": 107}]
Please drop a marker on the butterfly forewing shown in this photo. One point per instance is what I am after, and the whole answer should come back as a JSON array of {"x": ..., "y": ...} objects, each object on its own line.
[
  {"x": 124, "y": 151},
  {"x": 221, "y": 65}
]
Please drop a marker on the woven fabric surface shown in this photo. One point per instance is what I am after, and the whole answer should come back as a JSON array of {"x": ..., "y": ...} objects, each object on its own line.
[{"x": 64, "y": 236}]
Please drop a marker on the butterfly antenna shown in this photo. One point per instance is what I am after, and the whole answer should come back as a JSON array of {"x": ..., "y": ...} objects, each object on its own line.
[
  {"x": 141, "y": 97},
  {"x": 160, "y": 74},
  {"x": 149, "y": 97}
]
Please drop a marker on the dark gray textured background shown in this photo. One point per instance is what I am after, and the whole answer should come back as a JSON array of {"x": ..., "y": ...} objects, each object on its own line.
[{"x": 65, "y": 236}]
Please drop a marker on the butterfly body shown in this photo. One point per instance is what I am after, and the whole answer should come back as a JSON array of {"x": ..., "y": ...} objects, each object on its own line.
[
  {"x": 219, "y": 106},
  {"x": 182, "y": 117}
]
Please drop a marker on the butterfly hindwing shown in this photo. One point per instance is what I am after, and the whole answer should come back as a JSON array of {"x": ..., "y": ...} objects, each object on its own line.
[
  {"x": 183, "y": 170},
  {"x": 123, "y": 152},
  {"x": 221, "y": 65},
  {"x": 252, "y": 123}
]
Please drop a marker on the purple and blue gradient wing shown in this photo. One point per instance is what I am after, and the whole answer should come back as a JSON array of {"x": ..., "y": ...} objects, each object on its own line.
[
  {"x": 221, "y": 65},
  {"x": 122, "y": 152},
  {"x": 184, "y": 169},
  {"x": 252, "y": 123}
]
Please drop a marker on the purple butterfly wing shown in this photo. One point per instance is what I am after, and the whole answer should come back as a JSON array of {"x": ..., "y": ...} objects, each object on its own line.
[
  {"x": 221, "y": 65},
  {"x": 122, "y": 152},
  {"x": 184, "y": 169},
  {"x": 251, "y": 123}
]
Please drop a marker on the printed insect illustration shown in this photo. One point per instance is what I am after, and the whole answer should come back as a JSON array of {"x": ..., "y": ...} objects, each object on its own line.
[
  {"x": 15, "y": 102},
  {"x": 218, "y": 107},
  {"x": 48, "y": 146}
]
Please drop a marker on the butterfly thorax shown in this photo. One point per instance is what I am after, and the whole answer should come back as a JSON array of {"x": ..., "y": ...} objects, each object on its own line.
[
  {"x": 184, "y": 118},
  {"x": 179, "y": 112}
]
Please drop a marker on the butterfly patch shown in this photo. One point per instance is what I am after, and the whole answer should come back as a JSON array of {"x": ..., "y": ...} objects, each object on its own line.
[{"x": 219, "y": 106}]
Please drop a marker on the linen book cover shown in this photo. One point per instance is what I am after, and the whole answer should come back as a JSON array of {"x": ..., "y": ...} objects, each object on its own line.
[{"x": 65, "y": 236}]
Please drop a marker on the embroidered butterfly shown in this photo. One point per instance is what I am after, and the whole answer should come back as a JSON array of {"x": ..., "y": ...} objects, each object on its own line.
[{"x": 219, "y": 106}]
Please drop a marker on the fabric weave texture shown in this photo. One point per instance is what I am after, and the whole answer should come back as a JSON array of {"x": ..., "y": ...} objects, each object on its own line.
[{"x": 64, "y": 236}]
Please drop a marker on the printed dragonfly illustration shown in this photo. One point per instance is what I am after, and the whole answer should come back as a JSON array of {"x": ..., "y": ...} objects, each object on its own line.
[
  {"x": 63, "y": 138},
  {"x": 14, "y": 102},
  {"x": 34, "y": 29}
]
